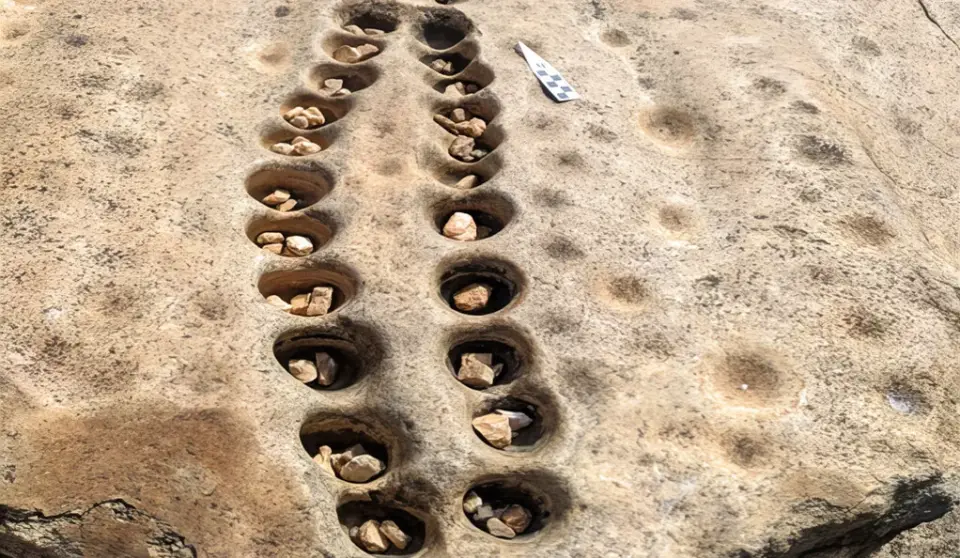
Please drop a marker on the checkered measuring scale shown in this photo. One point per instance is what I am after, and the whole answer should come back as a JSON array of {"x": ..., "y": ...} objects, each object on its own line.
[{"x": 558, "y": 87}]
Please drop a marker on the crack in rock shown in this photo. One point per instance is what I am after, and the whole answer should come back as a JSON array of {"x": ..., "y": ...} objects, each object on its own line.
[
  {"x": 934, "y": 21},
  {"x": 108, "y": 528}
]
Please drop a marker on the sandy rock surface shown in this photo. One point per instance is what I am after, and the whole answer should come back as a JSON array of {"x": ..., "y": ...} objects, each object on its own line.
[{"x": 734, "y": 267}]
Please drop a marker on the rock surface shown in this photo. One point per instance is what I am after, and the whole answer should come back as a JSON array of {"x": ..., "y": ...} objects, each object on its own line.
[{"x": 760, "y": 193}]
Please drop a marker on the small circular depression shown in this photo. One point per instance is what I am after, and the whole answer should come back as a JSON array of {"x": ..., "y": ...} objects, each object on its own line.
[
  {"x": 345, "y": 448},
  {"x": 293, "y": 237},
  {"x": 447, "y": 64},
  {"x": 335, "y": 80},
  {"x": 275, "y": 186},
  {"x": 345, "y": 356},
  {"x": 510, "y": 424},
  {"x": 478, "y": 288},
  {"x": 334, "y": 285},
  {"x": 372, "y": 18},
  {"x": 488, "y": 215},
  {"x": 512, "y": 504},
  {"x": 443, "y": 29},
  {"x": 382, "y": 528},
  {"x": 503, "y": 353}
]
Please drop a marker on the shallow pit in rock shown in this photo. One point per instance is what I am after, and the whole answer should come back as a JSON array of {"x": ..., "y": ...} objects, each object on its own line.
[
  {"x": 506, "y": 347},
  {"x": 305, "y": 183},
  {"x": 286, "y": 284},
  {"x": 313, "y": 229},
  {"x": 442, "y": 29},
  {"x": 353, "y": 514},
  {"x": 353, "y": 77},
  {"x": 502, "y": 278},
  {"x": 356, "y": 351},
  {"x": 340, "y": 434},
  {"x": 501, "y": 493}
]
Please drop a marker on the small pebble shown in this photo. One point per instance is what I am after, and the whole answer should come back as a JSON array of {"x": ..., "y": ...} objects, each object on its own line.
[
  {"x": 287, "y": 205},
  {"x": 303, "y": 370},
  {"x": 518, "y": 420},
  {"x": 500, "y": 529},
  {"x": 321, "y": 299},
  {"x": 453, "y": 90},
  {"x": 293, "y": 113},
  {"x": 484, "y": 512},
  {"x": 355, "y": 29},
  {"x": 495, "y": 429},
  {"x": 299, "y": 303},
  {"x": 326, "y": 369},
  {"x": 338, "y": 460},
  {"x": 475, "y": 127},
  {"x": 471, "y": 502},
  {"x": 282, "y": 148},
  {"x": 298, "y": 246},
  {"x": 269, "y": 238},
  {"x": 442, "y": 66},
  {"x": 333, "y": 85},
  {"x": 300, "y": 122},
  {"x": 473, "y": 297},
  {"x": 273, "y": 248},
  {"x": 478, "y": 154},
  {"x": 459, "y": 115},
  {"x": 361, "y": 468},
  {"x": 467, "y": 182},
  {"x": 370, "y": 537},
  {"x": 471, "y": 88},
  {"x": 393, "y": 532},
  {"x": 323, "y": 458},
  {"x": 342, "y": 92},
  {"x": 347, "y": 54},
  {"x": 460, "y": 226},
  {"x": 517, "y": 518},
  {"x": 366, "y": 51},
  {"x": 446, "y": 123},
  {"x": 306, "y": 147},
  {"x": 278, "y": 196},
  {"x": 462, "y": 148},
  {"x": 373, "y": 31},
  {"x": 477, "y": 370},
  {"x": 275, "y": 300}
]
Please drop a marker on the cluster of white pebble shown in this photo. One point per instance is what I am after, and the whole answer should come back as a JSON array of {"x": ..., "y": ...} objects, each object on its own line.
[
  {"x": 378, "y": 536},
  {"x": 354, "y": 464},
  {"x": 297, "y": 146},
  {"x": 305, "y": 118},
  {"x": 294, "y": 245}
]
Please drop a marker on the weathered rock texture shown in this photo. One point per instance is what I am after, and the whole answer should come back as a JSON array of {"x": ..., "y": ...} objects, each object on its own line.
[{"x": 737, "y": 264}]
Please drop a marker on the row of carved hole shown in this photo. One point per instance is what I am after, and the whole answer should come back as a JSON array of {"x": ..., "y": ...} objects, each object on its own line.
[
  {"x": 418, "y": 526},
  {"x": 502, "y": 278}
]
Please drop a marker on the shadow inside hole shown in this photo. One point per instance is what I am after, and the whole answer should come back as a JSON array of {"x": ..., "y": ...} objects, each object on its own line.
[
  {"x": 374, "y": 21},
  {"x": 502, "y": 353},
  {"x": 354, "y": 514},
  {"x": 340, "y": 435},
  {"x": 307, "y": 185},
  {"x": 350, "y": 366},
  {"x": 443, "y": 29},
  {"x": 500, "y": 494},
  {"x": 384, "y": 16},
  {"x": 504, "y": 290},
  {"x": 526, "y": 439},
  {"x": 488, "y": 225}
]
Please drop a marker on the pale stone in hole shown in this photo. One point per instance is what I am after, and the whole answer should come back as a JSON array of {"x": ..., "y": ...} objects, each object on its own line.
[
  {"x": 275, "y": 300},
  {"x": 484, "y": 512},
  {"x": 361, "y": 468},
  {"x": 303, "y": 370},
  {"x": 299, "y": 304},
  {"x": 475, "y": 127},
  {"x": 370, "y": 537},
  {"x": 442, "y": 66},
  {"x": 367, "y": 50},
  {"x": 460, "y": 226},
  {"x": 458, "y": 115},
  {"x": 326, "y": 369},
  {"x": 518, "y": 420},
  {"x": 278, "y": 196},
  {"x": 282, "y": 148},
  {"x": 297, "y": 245},
  {"x": 495, "y": 429},
  {"x": 373, "y": 31},
  {"x": 273, "y": 248},
  {"x": 338, "y": 460},
  {"x": 323, "y": 458},
  {"x": 477, "y": 153},
  {"x": 446, "y": 123},
  {"x": 293, "y": 113},
  {"x": 454, "y": 90},
  {"x": 477, "y": 370},
  {"x": 473, "y": 297},
  {"x": 500, "y": 529},
  {"x": 393, "y": 532},
  {"x": 321, "y": 299},
  {"x": 342, "y": 92},
  {"x": 270, "y": 238},
  {"x": 472, "y": 502},
  {"x": 517, "y": 518},
  {"x": 333, "y": 84},
  {"x": 300, "y": 122},
  {"x": 355, "y": 29},
  {"x": 347, "y": 54},
  {"x": 287, "y": 205},
  {"x": 306, "y": 147},
  {"x": 467, "y": 182},
  {"x": 462, "y": 147}
]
